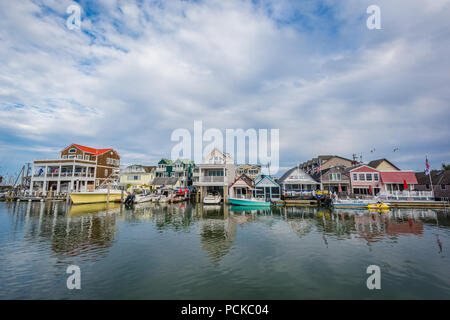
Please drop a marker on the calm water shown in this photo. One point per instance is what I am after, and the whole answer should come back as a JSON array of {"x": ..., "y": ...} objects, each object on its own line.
[{"x": 185, "y": 251}]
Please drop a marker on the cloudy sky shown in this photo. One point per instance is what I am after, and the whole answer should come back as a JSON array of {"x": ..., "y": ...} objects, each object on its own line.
[{"x": 137, "y": 70}]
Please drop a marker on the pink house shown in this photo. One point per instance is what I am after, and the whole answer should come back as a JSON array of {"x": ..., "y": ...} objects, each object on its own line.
[{"x": 368, "y": 180}]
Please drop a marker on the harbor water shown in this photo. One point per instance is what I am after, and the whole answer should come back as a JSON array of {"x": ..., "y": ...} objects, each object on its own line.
[{"x": 188, "y": 251}]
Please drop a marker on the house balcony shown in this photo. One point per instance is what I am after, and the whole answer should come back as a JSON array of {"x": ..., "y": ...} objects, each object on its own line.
[
  {"x": 406, "y": 195},
  {"x": 161, "y": 170},
  {"x": 178, "y": 169},
  {"x": 63, "y": 176}
]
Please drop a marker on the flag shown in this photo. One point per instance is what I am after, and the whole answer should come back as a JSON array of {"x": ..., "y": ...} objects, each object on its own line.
[
  {"x": 340, "y": 188},
  {"x": 370, "y": 189},
  {"x": 40, "y": 171},
  {"x": 55, "y": 171},
  {"x": 319, "y": 168},
  {"x": 427, "y": 166},
  {"x": 405, "y": 185}
]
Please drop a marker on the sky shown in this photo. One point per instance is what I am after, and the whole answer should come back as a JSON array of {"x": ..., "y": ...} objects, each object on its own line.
[{"x": 136, "y": 71}]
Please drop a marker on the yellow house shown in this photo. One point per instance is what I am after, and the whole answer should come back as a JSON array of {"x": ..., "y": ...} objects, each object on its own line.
[{"x": 137, "y": 177}]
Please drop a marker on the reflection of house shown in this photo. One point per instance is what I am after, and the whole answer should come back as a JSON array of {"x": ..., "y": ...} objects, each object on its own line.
[
  {"x": 137, "y": 176},
  {"x": 217, "y": 236},
  {"x": 249, "y": 170},
  {"x": 296, "y": 182},
  {"x": 79, "y": 168},
  {"x": 267, "y": 188},
  {"x": 440, "y": 180},
  {"x": 333, "y": 178},
  {"x": 215, "y": 174},
  {"x": 242, "y": 187},
  {"x": 325, "y": 162}
]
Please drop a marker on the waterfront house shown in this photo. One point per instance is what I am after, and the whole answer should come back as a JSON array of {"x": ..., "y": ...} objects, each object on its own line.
[
  {"x": 266, "y": 188},
  {"x": 297, "y": 183},
  {"x": 334, "y": 179},
  {"x": 381, "y": 177},
  {"x": 249, "y": 170},
  {"x": 242, "y": 187},
  {"x": 179, "y": 171},
  {"x": 440, "y": 180},
  {"x": 325, "y": 162},
  {"x": 215, "y": 174},
  {"x": 137, "y": 177},
  {"x": 78, "y": 168}
]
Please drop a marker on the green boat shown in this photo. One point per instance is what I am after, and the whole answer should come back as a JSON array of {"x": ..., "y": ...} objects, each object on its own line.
[{"x": 249, "y": 202}]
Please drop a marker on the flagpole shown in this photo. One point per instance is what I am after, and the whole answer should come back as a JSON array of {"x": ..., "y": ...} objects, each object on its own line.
[
  {"x": 431, "y": 181},
  {"x": 320, "y": 168}
]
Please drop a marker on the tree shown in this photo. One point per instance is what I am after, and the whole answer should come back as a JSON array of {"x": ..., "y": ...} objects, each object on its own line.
[{"x": 445, "y": 166}]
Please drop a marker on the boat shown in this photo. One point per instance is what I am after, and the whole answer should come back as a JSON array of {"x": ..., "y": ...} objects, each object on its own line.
[
  {"x": 212, "y": 199},
  {"x": 254, "y": 202},
  {"x": 141, "y": 198},
  {"x": 108, "y": 191},
  {"x": 96, "y": 196},
  {"x": 378, "y": 206},
  {"x": 351, "y": 203}
]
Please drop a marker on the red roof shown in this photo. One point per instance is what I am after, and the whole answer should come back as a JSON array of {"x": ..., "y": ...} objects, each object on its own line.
[
  {"x": 91, "y": 150},
  {"x": 398, "y": 177}
]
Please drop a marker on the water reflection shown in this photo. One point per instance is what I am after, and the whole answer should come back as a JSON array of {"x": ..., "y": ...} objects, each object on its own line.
[{"x": 220, "y": 237}]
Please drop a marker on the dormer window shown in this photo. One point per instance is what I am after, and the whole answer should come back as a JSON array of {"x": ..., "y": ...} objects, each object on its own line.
[{"x": 73, "y": 150}]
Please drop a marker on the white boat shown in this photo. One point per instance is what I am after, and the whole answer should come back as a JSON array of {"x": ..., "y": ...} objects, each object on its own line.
[
  {"x": 212, "y": 199},
  {"x": 143, "y": 198},
  {"x": 351, "y": 203}
]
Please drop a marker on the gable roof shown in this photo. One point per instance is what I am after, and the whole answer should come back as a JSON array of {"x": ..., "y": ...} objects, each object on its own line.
[
  {"x": 438, "y": 177},
  {"x": 94, "y": 151},
  {"x": 245, "y": 178},
  {"x": 376, "y": 163},
  {"x": 398, "y": 177},
  {"x": 306, "y": 178},
  {"x": 259, "y": 179}
]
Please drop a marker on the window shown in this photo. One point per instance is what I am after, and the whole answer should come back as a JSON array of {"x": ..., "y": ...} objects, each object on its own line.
[
  {"x": 72, "y": 150},
  {"x": 71, "y": 157},
  {"x": 86, "y": 157},
  {"x": 427, "y": 186},
  {"x": 368, "y": 176},
  {"x": 80, "y": 156},
  {"x": 97, "y": 182},
  {"x": 355, "y": 177},
  {"x": 64, "y": 156},
  {"x": 362, "y": 177},
  {"x": 375, "y": 176},
  {"x": 134, "y": 178},
  {"x": 106, "y": 172},
  {"x": 443, "y": 187},
  {"x": 335, "y": 176}
]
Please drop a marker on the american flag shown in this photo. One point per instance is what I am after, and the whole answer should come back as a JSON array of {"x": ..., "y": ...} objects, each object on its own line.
[{"x": 427, "y": 165}]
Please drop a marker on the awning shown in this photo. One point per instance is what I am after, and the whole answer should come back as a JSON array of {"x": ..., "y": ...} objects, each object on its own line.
[{"x": 398, "y": 177}]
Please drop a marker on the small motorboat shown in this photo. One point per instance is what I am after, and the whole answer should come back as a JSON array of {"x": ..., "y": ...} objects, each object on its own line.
[
  {"x": 378, "y": 206},
  {"x": 212, "y": 199},
  {"x": 253, "y": 202}
]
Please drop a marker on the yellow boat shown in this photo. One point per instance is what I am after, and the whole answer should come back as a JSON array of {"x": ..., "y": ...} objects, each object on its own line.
[
  {"x": 378, "y": 206},
  {"x": 97, "y": 196}
]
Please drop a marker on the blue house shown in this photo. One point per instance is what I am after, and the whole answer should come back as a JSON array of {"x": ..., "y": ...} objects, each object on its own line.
[{"x": 266, "y": 188}]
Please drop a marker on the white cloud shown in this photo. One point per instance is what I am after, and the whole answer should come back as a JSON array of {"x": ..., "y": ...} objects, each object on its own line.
[{"x": 329, "y": 84}]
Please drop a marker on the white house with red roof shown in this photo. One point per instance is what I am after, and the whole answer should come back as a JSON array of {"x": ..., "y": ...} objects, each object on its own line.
[{"x": 79, "y": 168}]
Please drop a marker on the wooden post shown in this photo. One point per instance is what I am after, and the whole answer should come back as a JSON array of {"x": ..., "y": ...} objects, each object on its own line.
[{"x": 107, "y": 194}]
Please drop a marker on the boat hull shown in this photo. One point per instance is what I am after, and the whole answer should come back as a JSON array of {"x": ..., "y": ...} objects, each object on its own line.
[
  {"x": 93, "y": 197},
  {"x": 248, "y": 202}
]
